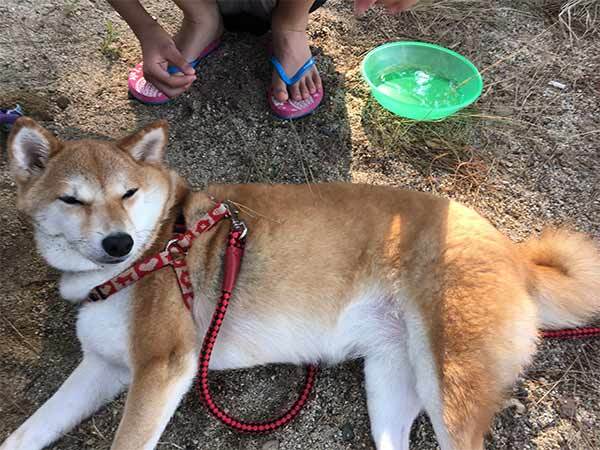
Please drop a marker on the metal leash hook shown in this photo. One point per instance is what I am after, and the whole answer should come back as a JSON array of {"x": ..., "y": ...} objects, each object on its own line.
[
  {"x": 175, "y": 250},
  {"x": 237, "y": 223}
]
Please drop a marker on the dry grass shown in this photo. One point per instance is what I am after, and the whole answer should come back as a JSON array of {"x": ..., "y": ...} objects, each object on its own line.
[
  {"x": 429, "y": 14},
  {"x": 579, "y": 18},
  {"x": 447, "y": 6},
  {"x": 439, "y": 148}
]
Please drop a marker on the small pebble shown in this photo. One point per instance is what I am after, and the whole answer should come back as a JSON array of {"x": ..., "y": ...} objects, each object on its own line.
[
  {"x": 347, "y": 432},
  {"x": 271, "y": 445},
  {"x": 557, "y": 85},
  {"x": 568, "y": 408},
  {"x": 519, "y": 407},
  {"x": 63, "y": 102}
]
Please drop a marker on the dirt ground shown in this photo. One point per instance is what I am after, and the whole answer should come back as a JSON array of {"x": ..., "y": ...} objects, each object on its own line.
[{"x": 527, "y": 154}]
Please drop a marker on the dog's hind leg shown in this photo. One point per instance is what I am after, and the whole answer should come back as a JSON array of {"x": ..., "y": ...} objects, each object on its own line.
[
  {"x": 91, "y": 385},
  {"x": 157, "y": 387},
  {"x": 482, "y": 351},
  {"x": 392, "y": 399}
]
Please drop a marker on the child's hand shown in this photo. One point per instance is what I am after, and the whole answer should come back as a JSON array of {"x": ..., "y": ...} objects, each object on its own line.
[
  {"x": 159, "y": 51},
  {"x": 393, "y": 6}
]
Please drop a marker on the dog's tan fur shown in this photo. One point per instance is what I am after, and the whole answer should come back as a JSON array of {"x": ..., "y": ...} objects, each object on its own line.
[{"x": 310, "y": 253}]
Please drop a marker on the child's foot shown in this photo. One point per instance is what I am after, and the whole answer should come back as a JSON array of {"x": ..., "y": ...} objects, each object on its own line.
[
  {"x": 198, "y": 36},
  {"x": 292, "y": 50}
]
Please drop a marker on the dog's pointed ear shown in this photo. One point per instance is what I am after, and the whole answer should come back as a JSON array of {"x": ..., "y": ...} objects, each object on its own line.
[
  {"x": 29, "y": 148},
  {"x": 147, "y": 144}
]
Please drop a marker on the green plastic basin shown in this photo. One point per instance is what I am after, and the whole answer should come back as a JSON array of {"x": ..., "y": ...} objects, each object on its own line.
[{"x": 421, "y": 81}]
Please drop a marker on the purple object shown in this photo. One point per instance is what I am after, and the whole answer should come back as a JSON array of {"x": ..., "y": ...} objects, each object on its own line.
[{"x": 9, "y": 116}]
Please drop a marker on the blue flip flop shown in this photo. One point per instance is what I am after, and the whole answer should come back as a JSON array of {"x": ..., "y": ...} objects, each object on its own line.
[
  {"x": 293, "y": 109},
  {"x": 207, "y": 51}
]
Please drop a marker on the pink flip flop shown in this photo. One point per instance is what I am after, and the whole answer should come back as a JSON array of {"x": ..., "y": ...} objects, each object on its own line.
[
  {"x": 293, "y": 109},
  {"x": 146, "y": 92}
]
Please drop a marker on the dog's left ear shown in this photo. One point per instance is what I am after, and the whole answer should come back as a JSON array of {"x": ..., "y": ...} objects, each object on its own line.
[{"x": 147, "y": 144}]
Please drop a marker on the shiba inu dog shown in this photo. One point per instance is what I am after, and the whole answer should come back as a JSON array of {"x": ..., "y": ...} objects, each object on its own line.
[{"x": 442, "y": 307}]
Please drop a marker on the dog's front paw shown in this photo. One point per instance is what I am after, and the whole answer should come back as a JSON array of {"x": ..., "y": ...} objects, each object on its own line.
[
  {"x": 13, "y": 442},
  {"x": 19, "y": 441}
]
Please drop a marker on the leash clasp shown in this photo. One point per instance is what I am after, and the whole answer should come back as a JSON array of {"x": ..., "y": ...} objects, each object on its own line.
[
  {"x": 236, "y": 222},
  {"x": 175, "y": 250}
]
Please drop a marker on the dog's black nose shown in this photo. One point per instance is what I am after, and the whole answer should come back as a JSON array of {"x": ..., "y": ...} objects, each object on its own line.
[{"x": 117, "y": 244}]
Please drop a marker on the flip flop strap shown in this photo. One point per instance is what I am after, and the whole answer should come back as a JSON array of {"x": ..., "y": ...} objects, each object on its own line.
[
  {"x": 174, "y": 69},
  {"x": 297, "y": 76},
  {"x": 209, "y": 49}
]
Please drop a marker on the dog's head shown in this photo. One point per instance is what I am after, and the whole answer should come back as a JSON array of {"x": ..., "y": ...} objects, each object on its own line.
[{"x": 93, "y": 203}]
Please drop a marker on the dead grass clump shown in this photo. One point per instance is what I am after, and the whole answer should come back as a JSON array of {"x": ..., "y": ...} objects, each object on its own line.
[
  {"x": 578, "y": 17},
  {"x": 467, "y": 169},
  {"x": 435, "y": 149},
  {"x": 454, "y": 8}
]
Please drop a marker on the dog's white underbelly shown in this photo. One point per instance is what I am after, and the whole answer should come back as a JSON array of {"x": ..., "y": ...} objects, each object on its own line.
[
  {"x": 103, "y": 328},
  {"x": 369, "y": 323}
]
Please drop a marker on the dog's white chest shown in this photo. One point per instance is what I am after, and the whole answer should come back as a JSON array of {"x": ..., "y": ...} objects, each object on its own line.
[{"x": 103, "y": 328}]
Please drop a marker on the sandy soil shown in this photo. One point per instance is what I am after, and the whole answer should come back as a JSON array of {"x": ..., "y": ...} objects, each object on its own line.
[{"x": 527, "y": 154}]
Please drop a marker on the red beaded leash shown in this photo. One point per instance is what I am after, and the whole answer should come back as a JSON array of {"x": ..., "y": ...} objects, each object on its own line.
[
  {"x": 233, "y": 257},
  {"x": 572, "y": 333}
]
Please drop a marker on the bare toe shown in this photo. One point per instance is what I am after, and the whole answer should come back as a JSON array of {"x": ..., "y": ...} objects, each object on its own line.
[
  {"x": 295, "y": 92},
  {"x": 304, "y": 89},
  {"x": 316, "y": 79},
  {"x": 310, "y": 84}
]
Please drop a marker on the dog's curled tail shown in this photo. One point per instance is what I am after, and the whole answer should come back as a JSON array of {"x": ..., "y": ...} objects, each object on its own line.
[{"x": 564, "y": 277}]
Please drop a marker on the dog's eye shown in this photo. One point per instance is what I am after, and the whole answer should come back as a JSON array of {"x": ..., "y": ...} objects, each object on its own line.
[
  {"x": 130, "y": 193},
  {"x": 70, "y": 200}
]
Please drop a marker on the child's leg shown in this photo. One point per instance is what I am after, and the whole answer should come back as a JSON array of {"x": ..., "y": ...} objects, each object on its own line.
[{"x": 201, "y": 25}]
